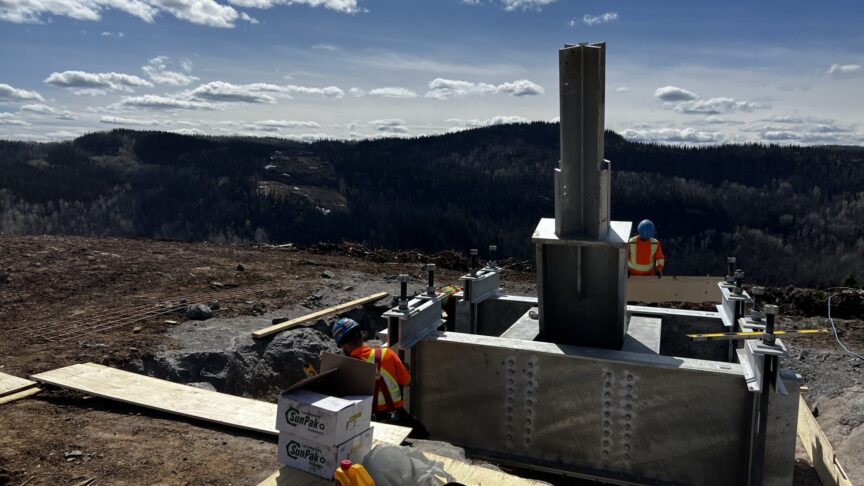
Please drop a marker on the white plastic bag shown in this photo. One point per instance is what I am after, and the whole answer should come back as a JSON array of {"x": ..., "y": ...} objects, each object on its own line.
[{"x": 391, "y": 465}]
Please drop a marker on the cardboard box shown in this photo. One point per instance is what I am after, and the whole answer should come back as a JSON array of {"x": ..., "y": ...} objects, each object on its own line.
[
  {"x": 321, "y": 459},
  {"x": 331, "y": 407}
]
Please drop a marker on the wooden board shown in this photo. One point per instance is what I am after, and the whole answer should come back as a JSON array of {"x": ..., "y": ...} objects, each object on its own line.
[
  {"x": 12, "y": 384},
  {"x": 673, "y": 289},
  {"x": 819, "y": 448},
  {"x": 463, "y": 472},
  {"x": 276, "y": 328},
  {"x": 19, "y": 395},
  {"x": 187, "y": 401}
]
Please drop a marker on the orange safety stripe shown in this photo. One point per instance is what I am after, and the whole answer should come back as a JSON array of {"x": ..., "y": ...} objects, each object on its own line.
[{"x": 389, "y": 380}]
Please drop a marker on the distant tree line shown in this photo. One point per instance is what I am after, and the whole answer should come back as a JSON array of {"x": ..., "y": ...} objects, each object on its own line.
[{"x": 792, "y": 215}]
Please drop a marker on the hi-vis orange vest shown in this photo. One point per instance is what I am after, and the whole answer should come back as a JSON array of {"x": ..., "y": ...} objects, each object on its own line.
[
  {"x": 644, "y": 256},
  {"x": 392, "y": 371}
]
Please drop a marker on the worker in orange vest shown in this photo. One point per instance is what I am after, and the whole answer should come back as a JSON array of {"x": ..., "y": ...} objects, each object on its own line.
[
  {"x": 391, "y": 375},
  {"x": 644, "y": 255}
]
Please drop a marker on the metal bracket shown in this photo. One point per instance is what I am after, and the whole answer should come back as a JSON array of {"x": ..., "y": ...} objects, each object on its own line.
[
  {"x": 751, "y": 356},
  {"x": 483, "y": 285},
  {"x": 421, "y": 318}
]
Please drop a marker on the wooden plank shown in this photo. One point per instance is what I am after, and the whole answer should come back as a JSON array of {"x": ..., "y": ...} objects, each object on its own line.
[
  {"x": 187, "y": 401},
  {"x": 673, "y": 289},
  {"x": 819, "y": 448},
  {"x": 19, "y": 395},
  {"x": 276, "y": 328},
  {"x": 12, "y": 384},
  {"x": 462, "y": 472}
]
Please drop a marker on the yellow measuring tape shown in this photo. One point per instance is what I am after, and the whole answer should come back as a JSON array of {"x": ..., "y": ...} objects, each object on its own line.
[{"x": 732, "y": 336}]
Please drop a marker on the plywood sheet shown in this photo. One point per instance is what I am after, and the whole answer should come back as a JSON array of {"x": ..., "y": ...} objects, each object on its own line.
[
  {"x": 187, "y": 401},
  {"x": 673, "y": 289},
  {"x": 463, "y": 472},
  {"x": 819, "y": 448},
  {"x": 11, "y": 384}
]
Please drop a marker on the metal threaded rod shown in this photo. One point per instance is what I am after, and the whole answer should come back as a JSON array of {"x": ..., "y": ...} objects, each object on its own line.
[
  {"x": 403, "y": 291},
  {"x": 430, "y": 284},
  {"x": 739, "y": 282},
  {"x": 758, "y": 294},
  {"x": 492, "y": 250},
  {"x": 770, "y": 312},
  {"x": 474, "y": 261},
  {"x": 730, "y": 269}
]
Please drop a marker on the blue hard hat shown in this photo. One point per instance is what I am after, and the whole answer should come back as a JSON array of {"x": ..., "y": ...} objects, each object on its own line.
[
  {"x": 646, "y": 229},
  {"x": 342, "y": 327}
]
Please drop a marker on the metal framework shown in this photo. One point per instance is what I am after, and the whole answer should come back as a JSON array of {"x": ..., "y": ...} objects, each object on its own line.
[{"x": 575, "y": 381}]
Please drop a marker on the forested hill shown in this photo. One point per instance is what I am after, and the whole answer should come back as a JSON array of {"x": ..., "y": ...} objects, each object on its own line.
[{"x": 792, "y": 215}]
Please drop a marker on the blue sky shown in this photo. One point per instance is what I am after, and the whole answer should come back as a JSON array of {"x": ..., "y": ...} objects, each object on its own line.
[{"x": 677, "y": 71}]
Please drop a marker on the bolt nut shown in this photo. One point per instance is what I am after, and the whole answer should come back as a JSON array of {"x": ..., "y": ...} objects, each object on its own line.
[
  {"x": 493, "y": 247},
  {"x": 473, "y": 251},
  {"x": 430, "y": 267},
  {"x": 771, "y": 309},
  {"x": 731, "y": 259},
  {"x": 403, "y": 277},
  {"x": 739, "y": 273},
  {"x": 758, "y": 291}
]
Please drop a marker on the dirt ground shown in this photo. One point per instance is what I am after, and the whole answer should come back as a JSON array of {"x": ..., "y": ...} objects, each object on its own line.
[{"x": 62, "y": 288}]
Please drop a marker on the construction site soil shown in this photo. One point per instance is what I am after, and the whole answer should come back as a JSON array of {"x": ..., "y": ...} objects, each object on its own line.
[{"x": 121, "y": 302}]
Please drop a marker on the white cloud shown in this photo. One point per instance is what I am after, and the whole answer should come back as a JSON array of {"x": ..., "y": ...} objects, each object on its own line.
[
  {"x": 324, "y": 47},
  {"x": 511, "y": 5},
  {"x": 118, "y": 35},
  {"x": 221, "y": 91},
  {"x": 201, "y": 12},
  {"x": 719, "y": 120},
  {"x": 157, "y": 70},
  {"x": 116, "y": 120},
  {"x": 442, "y": 89},
  {"x": 392, "y": 92},
  {"x": 6, "y": 120},
  {"x": 331, "y": 92},
  {"x": 688, "y": 102},
  {"x": 390, "y": 125},
  {"x": 846, "y": 70},
  {"x": 41, "y": 109},
  {"x": 674, "y": 93},
  {"x": 622, "y": 89},
  {"x": 84, "y": 83},
  {"x": 31, "y": 11},
  {"x": 716, "y": 106},
  {"x": 258, "y": 92},
  {"x": 357, "y": 92},
  {"x": 495, "y": 120},
  {"x": 673, "y": 135},
  {"x": 808, "y": 129},
  {"x": 9, "y": 93},
  {"x": 344, "y": 6},
  {"x": 276, "y": 125},
  {"x": 605, "y": 18},
  {"x": 158, "y": 102},
  {"x": 38, "y": 108},
  {"x": 189, "y": 131}
]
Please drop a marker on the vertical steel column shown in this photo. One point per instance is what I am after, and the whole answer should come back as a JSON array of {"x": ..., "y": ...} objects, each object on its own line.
[{"x": 582, "y": 182}]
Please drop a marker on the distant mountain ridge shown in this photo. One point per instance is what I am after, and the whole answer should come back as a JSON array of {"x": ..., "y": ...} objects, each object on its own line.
[{"x": 792, "y": 215}]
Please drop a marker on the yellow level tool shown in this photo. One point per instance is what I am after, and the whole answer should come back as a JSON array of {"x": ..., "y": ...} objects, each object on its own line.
[{"x": 732, "y": 336}]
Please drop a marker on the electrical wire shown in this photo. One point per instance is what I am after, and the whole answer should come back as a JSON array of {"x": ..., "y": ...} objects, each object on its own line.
[{"x": 836, "y": 335}]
